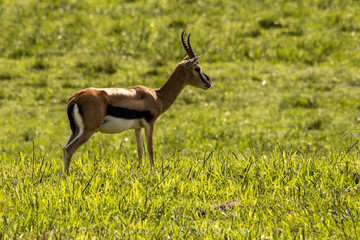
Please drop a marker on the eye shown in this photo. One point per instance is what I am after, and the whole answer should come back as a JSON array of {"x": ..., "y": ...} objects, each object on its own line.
[{"x": 197, "y": 69}]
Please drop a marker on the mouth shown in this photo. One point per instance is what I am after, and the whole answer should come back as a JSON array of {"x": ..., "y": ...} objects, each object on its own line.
[{"x": 207, "y": 86}]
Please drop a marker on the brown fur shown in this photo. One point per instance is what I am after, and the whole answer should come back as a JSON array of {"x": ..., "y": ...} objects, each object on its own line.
[{"x": 93, "y": 102}]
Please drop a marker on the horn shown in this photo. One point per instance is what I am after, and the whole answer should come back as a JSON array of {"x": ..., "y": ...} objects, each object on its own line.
[
  {"x": 188, "y": 47},
  {"x": 192, "y": 53}
]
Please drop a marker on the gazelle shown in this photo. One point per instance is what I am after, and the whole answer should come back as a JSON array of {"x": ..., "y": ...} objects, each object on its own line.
[{"x": 114, "y": 110}]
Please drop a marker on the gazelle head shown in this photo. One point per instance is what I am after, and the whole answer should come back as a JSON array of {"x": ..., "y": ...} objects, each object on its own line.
[{"x": 194, "y": 74}]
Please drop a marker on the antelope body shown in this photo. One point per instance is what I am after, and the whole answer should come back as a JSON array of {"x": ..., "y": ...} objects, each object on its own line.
[{"x": 114, "y": 110}]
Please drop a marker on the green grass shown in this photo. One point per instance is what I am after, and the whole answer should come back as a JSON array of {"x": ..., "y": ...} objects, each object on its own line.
[{"x": 270, "y": 151}]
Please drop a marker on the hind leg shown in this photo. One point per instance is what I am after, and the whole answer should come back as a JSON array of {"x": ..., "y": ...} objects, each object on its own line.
[
  {"x": 74, "y": 133},
  {"x": 71, "y": 147},
  {"x": 71, "y": 138},
  {"x": 65, "y": 149}
]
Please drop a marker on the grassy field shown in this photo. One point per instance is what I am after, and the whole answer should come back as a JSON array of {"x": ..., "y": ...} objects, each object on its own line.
[{"x": 270, "y": 151}]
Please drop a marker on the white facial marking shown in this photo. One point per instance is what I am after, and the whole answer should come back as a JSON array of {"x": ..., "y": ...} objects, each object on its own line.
[{"x": 118, "y": 125}]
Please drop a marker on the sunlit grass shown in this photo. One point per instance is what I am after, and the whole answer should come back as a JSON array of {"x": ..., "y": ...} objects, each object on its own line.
[
  {"x": 216, "y": 194},
  {"x": 270, "y": 151}
]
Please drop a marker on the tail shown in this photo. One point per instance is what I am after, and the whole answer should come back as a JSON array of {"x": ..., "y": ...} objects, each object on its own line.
[
  {"x": 77, "y": 127},
  {"x": 70, "y": 111}
]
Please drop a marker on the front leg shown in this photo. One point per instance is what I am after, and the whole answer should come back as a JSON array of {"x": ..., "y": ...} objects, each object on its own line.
[
  {"x": 140, "y": 144},
  {"x": 149, "y": 129}
]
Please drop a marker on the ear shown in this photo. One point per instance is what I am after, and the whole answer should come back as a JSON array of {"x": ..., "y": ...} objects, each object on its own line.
[
  {"x": 186, "y": 58},
  {"x": 191, "y": 62}
]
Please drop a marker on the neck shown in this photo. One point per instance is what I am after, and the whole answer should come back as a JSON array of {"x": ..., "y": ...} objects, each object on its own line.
[{"x": 168, "y": 93}]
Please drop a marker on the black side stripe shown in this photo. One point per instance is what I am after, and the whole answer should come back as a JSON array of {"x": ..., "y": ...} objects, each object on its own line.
[{"x": 128, "y": 113}]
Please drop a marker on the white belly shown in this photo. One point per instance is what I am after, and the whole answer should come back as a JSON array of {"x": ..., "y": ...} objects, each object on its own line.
[{"x": 118, "y": 125}]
